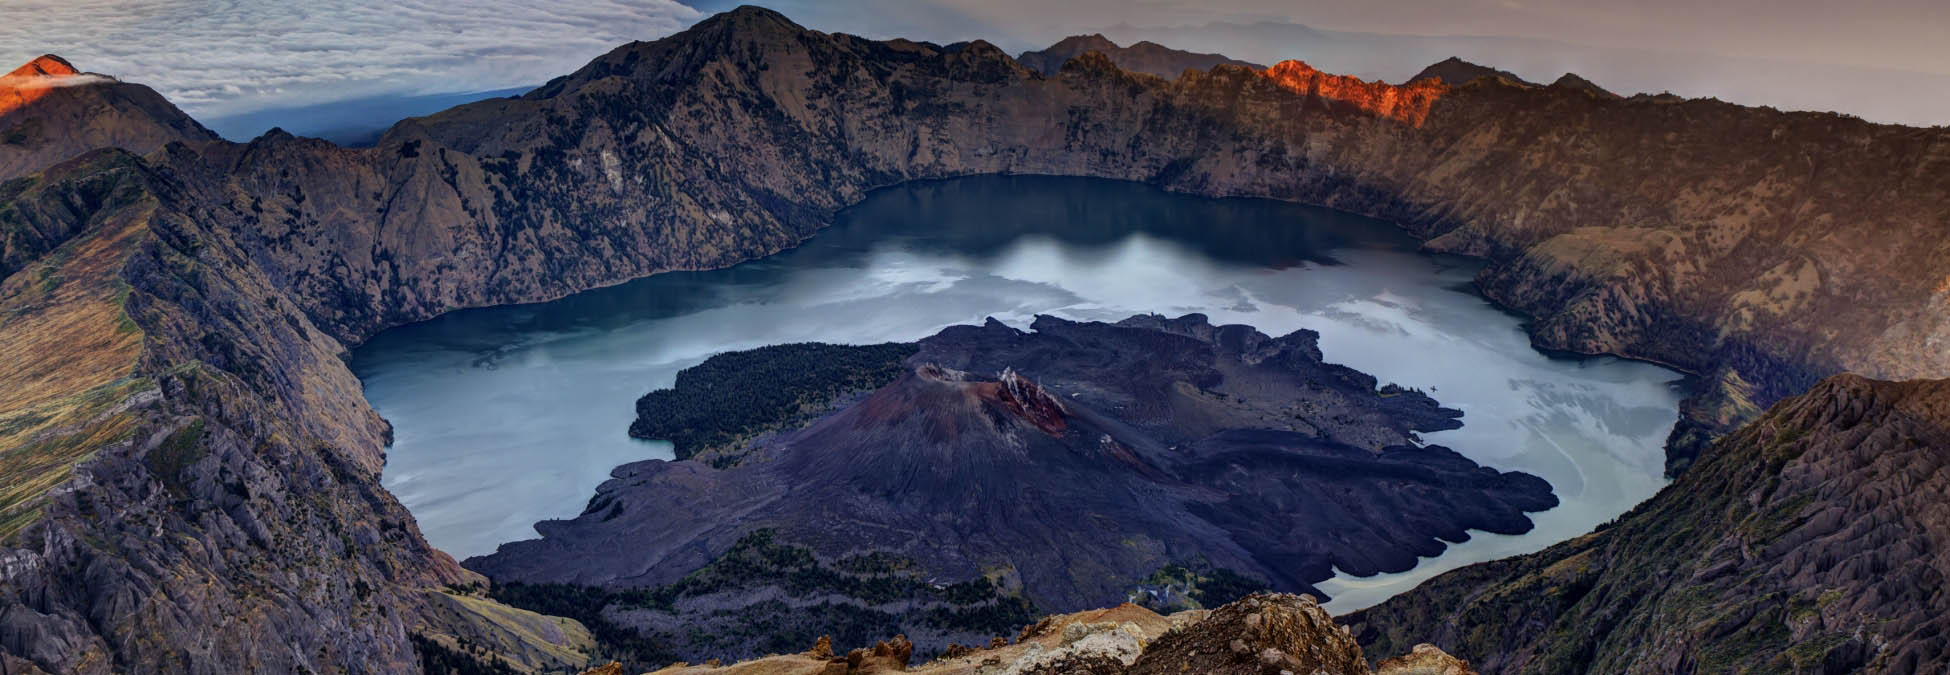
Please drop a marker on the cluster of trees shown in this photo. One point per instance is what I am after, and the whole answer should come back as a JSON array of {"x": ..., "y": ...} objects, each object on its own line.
[
  {"x": 731, "y": 397},
  {"x": 1205, "y": 584},
  {"x": 470, "y": 659}
]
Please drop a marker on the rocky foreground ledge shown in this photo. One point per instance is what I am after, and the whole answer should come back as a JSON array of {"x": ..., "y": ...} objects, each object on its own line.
[{"x": 1261, "y": 633}]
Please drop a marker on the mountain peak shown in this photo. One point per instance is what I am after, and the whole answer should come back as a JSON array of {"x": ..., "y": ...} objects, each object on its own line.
[
  {"x": 1455, "y": 72},
  {"x": 749, "y": 18},
  {"x": 47, "y": 65},
  {"x": 1093, "y": 41},
  {"x": 1574, "y": 81}
]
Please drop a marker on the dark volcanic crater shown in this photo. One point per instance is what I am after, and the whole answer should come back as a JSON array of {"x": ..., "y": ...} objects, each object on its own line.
[{"x": 1076, "y": 459}]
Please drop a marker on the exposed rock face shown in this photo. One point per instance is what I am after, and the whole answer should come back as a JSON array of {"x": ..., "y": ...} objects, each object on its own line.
[
  {"x": 1257, "y": 634},
  {"x": 1408, "y": 103},
  {"x": 49, "y": 111},
  {"x": 1814, "y": 540},
  {"x": 1144, "y": 57},
  {"x": 1696, "y": 233},
  {"x": 1101, "y": 453},
  {"x": 1424, "y": 659},
  {"x": 228, "y": 515}
]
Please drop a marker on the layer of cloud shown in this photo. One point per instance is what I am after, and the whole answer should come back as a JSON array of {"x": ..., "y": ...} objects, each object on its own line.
[
  {"x": 214, "y": 57},
  {"x": 40, "y": 82},
  {"x": 219, "y": 58}
]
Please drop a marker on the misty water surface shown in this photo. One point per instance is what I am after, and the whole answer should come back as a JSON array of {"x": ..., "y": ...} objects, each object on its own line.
[{"x": 506, "y": 416}]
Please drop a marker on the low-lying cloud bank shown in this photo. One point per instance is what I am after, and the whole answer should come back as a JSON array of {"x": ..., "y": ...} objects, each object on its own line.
[{"x": 217, "y": 57}]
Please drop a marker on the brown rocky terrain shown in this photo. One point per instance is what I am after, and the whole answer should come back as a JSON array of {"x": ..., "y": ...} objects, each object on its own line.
[
  {"x": 49, "y": 112},
  {"x": 1262, "y": 633},
  {"x": 1814, "y": 540},
  {"x": 190, "y": 464},
  {"x": 1150, "y": 58}
]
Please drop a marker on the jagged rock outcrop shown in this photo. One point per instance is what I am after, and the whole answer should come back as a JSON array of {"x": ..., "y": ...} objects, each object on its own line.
[
  {"x": 1408, "y": 104},
  {"x": 50, "y": 111},
  {"x": 1257, "y": 634},
  {"x": 1143, "y": 57},
  {"x": 1197, "y": 443},
  {"x": 219, "y": 281},
  {"x": 1813, "y": 540}
]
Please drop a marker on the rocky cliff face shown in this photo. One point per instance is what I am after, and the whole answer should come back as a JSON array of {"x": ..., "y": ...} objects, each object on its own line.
[
  {"x": 200, "y": 468},
  {"x": 1811, "y": 541}
]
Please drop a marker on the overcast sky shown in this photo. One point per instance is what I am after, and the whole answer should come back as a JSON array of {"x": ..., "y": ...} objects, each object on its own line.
[{"x": 218, "y": 57}]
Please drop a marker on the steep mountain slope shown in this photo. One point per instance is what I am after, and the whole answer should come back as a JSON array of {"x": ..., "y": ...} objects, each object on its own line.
[
  {"x": 1142, "y": 57},
  {"x": 1816, "y": 539},
  {"x": 191, "y": 478},
  {"x": 49, "y": 111},
  {"x": 1697, "y": 233}
]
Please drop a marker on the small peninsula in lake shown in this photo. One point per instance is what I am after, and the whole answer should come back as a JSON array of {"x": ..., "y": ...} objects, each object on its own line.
[{"x": 1064, "y": 467}]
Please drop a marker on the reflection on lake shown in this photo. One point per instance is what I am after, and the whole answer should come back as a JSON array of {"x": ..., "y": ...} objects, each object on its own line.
[{"x": 505, "y": 416}]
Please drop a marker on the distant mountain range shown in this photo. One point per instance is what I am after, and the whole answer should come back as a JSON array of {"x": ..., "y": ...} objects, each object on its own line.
[
  {"x": 1395, "y": 58},
  {"x": 354, "y": 123},
  {"x": 1143, "y": 57},
  {"x": 189, "y": 473}
]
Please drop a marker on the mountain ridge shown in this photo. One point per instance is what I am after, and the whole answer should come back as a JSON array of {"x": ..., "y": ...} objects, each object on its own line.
[
  {"x": 1140, "y": 57},
  {"x": 240, "y": 272}
]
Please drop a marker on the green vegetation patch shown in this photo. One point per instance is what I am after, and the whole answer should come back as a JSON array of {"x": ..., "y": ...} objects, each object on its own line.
[
  {"x": 718, "y": 406},
  {"x": 437, "y": 657},
  {"x": 1201, "y": 583},
  {"x": 39, "y": 446}
]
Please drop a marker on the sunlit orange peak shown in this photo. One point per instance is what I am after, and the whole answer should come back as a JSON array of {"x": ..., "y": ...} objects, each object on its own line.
[
  {"x": 48, "y": 65},
  {"x": 1408, "y": 103},
  {"x": 34, "y": 81}
]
